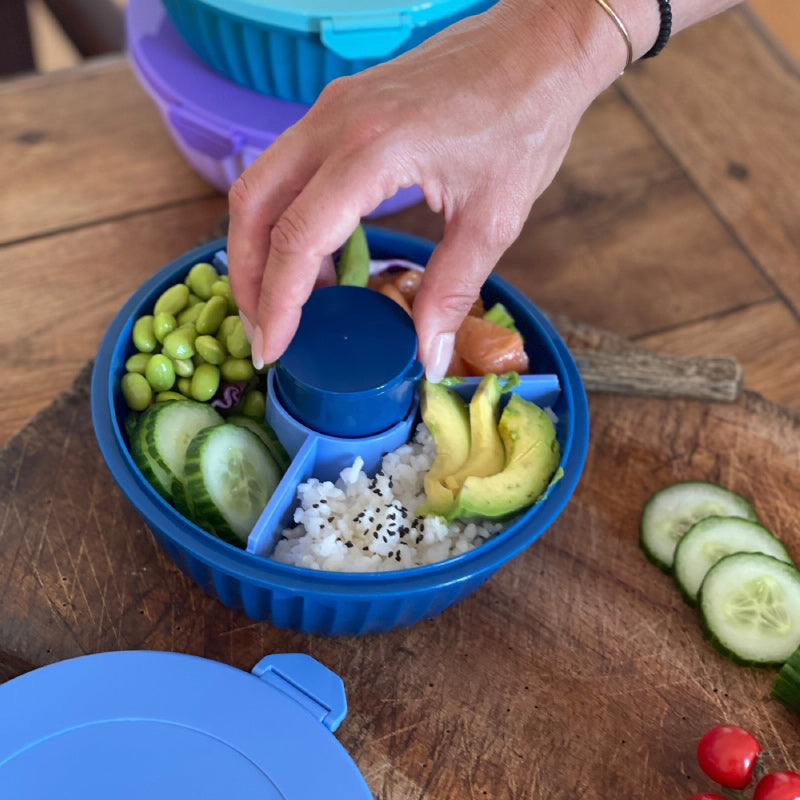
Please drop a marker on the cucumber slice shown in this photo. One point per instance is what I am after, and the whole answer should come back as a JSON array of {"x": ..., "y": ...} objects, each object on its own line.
[
  {"x": 750, "y": 605},
  {"x": 787, "y": 685},
  {"x": 153, "y": 472},
  {"x": 267, "y": 435},
  {"x": 711, "y": 539},
  {"x": 168, "y": 428},
  {"x": 230, "y": 475},
  {"x": 671, "y": 511}
]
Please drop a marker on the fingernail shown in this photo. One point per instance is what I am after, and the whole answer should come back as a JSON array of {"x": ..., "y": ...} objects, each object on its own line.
[
  {"x": 257, "y": 346},
  {"x": 441, "y": 353},
  {"x": 249, "y": 331}
]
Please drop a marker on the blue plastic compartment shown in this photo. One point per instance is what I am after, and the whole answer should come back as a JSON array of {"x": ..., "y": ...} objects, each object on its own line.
[
  {"x": 321, "y": 602},
  {"x": 218, "y": 126},
  {"x": 134, "y": 724},
  {"x": 292, "y": 50}
]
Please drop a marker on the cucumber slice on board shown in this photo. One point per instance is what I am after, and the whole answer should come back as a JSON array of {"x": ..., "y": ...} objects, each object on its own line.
[
  {"x": 230, "y": 475},
  {"x": 267, "y": 435},
  {"x": 168, "y": 428},
  {"x": 713, "y": 538},
  {"x": 671, "y": 511},
  {"x": 750, "y": 605},
  {"x": 786, "y": 689}
]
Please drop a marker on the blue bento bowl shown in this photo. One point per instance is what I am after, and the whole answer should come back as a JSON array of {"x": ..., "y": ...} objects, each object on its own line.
[{"x": 314, "y": 601}]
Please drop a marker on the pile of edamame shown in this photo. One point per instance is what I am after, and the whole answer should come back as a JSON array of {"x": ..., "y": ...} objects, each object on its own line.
[{"x": 191, "y": 344}]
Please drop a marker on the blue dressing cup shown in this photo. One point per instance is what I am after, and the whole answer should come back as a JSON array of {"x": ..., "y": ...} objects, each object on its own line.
[{"x": 351, "y": 368}]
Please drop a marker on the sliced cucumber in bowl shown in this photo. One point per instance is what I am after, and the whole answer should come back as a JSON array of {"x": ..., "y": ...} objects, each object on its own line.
[
  {"x": 672, "y": 511},
  {"x": 713, "y": 538},
  {"x": 750, "y": 605},
  {"x": 230, "y": 474}
]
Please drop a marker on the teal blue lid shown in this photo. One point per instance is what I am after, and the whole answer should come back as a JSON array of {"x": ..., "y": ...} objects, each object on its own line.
[
  {"x": 156, "y": 725},
  {"x": 351, "y": 28}
]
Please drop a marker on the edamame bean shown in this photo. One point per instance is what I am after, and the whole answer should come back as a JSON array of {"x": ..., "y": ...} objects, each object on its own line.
[
  {"x": 214, "y": 311},
  {"x": 228, "y": 324},
  {"x": 237, "y": 343},
  {"x": 222, "y": 288},
  {"x": 190, "y": 314},
  {"x": 144, "y": 339},
  {"x": 180, "y": 343},
  {"x": 136, "y": 391},
  {"x": 254, "y": 404},
  {"x": 210, "y": 349},
  {"x": 184, "y": 386},
  {"x": 137, "y": 363},
  {"x": 201, "y": 278},
  {"x": 166, "y": 397},
  {"x": 205, "y": 382},
  {"x": 193, "y": 299},
  {"x": 173, "y": 300},
  {"x": 184, "y": 367},
  {"x": 163, "y": 324},
  {"x": 160, "y": 373},
  {"x": 237, "y": 369}
]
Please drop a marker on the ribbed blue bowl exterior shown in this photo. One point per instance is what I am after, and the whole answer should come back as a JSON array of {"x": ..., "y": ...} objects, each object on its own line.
[
  {"x": 274, "y": 61},
  {"x": 319, "y": 602}
]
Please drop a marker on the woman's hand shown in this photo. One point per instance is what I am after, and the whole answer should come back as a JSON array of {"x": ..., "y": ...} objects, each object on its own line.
[{"x": 479, "y": 116}]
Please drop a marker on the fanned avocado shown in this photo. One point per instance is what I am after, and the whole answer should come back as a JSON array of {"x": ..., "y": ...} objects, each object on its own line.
[
  {"x": 486, "y": 452},
  {"x": 532, "y": 457},
  {"x": 447, "y": 418}
]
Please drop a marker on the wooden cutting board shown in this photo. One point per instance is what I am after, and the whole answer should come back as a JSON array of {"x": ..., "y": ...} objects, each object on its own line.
[{"x": 576, "y": 671}]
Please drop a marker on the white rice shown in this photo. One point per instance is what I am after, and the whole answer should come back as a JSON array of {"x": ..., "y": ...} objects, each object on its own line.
[{"x": 360, "y": 524}]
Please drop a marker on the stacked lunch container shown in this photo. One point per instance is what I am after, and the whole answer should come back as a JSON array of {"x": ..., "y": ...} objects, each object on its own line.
[{"x": 229, "y": 76}]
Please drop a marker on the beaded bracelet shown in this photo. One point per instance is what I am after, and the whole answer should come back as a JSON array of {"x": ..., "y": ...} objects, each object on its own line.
[{"x": 664, "y": 31}]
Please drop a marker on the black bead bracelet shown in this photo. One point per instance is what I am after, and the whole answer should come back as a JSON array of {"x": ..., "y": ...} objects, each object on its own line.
[{"x": 664, "y": 30}]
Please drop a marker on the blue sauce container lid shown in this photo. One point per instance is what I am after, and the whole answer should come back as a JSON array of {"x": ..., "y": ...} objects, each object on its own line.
[
  {"x": 351, "y": 368},
  {"x": 136, "y": 724}
]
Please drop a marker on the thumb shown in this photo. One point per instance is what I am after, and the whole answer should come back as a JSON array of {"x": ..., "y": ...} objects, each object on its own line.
[{"x": 456, "y": 271}]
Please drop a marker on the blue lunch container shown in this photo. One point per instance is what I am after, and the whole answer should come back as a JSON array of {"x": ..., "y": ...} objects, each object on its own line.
[
  {"x": 135, "y": 724},
  {"x": 291, "y": 50},
  {"x": 326, "y": 602},
  {"x": 219, "y": 127}
]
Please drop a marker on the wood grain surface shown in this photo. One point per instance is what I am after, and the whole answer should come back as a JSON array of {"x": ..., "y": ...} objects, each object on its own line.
[{"x": 576, "y": 671}]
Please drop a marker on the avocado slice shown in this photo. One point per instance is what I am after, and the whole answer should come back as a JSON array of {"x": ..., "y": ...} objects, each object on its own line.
[
  {"x": 532, "y": 457},
  {"x": 486, "y": 452},
  {"x": 447, "y": 418}
]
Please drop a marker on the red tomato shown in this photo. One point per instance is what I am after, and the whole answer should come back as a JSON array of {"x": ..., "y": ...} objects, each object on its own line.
[
  {"x": 778, "y": 786},
  {"x": 706, "y": 796},
  {"x": 727, "y": 754}
]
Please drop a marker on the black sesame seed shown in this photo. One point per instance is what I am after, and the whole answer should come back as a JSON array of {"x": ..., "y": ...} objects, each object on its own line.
[
  {"x": 348, "y": 544},
  {"x": 397, "y": 556},
  {"x": 420, "y": 538},
  {"x": 390, "y": 554},
  {"x": 378, "y": 526},
  {"x": 385, "y": 539},
  {"x": 330, "y": 519},
  {"x": 315, "y": 505},
  {"x": 365, "y": 547},
  {"x": 374, "y": 534}
]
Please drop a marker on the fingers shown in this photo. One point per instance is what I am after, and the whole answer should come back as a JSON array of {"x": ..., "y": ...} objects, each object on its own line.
[
  {"x": 315, "y": 224},
  {"x": 256, "y": 201},
  {"x": 473, "y": 241}
]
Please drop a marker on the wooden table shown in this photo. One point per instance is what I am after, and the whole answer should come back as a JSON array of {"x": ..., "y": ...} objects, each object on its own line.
[{"x": 577, "y": 671}]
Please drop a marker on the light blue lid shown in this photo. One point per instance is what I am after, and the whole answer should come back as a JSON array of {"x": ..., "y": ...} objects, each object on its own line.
[
  {"x": 351, "y": 28},
  {"x": 160, "y": 726}
]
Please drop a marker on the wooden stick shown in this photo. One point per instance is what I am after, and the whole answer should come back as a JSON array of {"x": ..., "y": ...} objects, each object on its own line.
[{"x": 640, "y": 372}]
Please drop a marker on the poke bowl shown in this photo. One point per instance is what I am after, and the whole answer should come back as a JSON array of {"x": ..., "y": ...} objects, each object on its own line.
[{"x": 244, "y": 575}]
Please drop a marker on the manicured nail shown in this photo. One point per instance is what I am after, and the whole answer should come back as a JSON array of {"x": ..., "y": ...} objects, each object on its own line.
[
  {"x": 249, "y": 331},
  {"x": 257, "y": 346},
  {"x": 441, "y": 353}
]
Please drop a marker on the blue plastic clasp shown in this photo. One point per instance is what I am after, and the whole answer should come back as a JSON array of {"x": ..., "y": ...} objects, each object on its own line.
[{"x": 307, "y": 682}]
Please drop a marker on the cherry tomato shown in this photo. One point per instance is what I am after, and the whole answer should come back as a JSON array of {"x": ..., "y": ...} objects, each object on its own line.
[
  {"x": 706, "y": 796},
  {"x": 778, "y": 786},
  {"x": 727, "y": 754}
]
